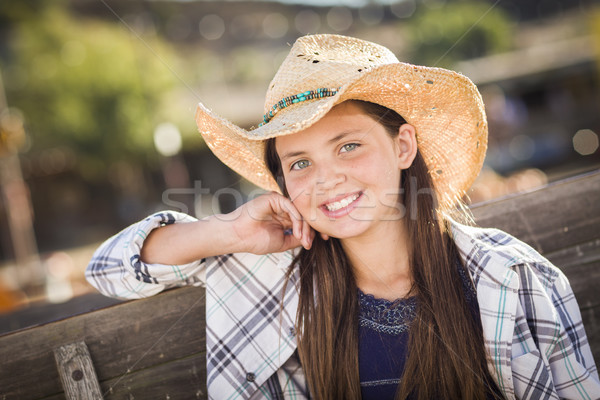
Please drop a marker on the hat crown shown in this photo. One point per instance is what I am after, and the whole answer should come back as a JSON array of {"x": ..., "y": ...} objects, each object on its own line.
[{"x": 324, "y": 61}]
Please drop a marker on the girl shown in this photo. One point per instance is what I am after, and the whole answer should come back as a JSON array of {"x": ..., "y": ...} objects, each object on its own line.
[{"x": 352, "y": 278}]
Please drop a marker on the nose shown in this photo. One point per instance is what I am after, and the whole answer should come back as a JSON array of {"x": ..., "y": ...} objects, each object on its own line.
[{"x": 329, "y": 177}]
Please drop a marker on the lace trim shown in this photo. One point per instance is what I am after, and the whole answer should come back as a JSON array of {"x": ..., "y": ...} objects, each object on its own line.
[
  {"x": 381, "y": 382},
  {"x": 385, "y": 316}
]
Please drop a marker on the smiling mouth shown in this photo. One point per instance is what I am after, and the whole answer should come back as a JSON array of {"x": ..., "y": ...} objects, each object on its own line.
[{"x": 345, "y": 202}]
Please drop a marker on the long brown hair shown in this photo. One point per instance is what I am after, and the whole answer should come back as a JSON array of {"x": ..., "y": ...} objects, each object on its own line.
[{"x": 446, "y": 352}]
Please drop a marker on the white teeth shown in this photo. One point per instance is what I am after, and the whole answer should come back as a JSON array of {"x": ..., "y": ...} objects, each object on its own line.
[{"x": 342, "y": 203}]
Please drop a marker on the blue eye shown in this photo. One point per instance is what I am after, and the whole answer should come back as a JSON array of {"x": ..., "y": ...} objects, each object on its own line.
[
  {"x": 349, "y": 147},
  {"x": 300, "y": 164}
]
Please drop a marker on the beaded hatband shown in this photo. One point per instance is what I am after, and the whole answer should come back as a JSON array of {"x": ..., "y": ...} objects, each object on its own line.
[{"x": 297, "y": 98}]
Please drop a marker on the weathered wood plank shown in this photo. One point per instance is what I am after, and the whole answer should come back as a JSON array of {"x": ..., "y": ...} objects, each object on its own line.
[
  {"x": 583, "y": 253},
  {"x": 77, "y": 372},
  {"x": 176, "y": 380},
  {"x": 130, "y": 336},
  {"x": 37, "y": 313},
  {"x": 583, "y": 271},
  {"x": 557, "y": 216},
  {"x": 182, "y": 379}
]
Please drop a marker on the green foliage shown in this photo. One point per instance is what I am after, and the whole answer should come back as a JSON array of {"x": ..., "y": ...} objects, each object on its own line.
[
  {"x": 18, "y": 11},
  {"x": 90, "y": 85},
  {"x": 457, "y": 31}
]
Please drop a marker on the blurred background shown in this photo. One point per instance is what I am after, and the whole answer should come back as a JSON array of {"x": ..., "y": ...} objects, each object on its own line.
[{"x": 97, "y": 99}]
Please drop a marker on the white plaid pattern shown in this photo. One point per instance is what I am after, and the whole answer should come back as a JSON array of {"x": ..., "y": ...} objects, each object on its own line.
[{"x": 531, "y": 320}]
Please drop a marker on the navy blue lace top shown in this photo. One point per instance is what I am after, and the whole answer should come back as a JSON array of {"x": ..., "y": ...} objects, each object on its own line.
[{"x": 383, "y": 339}]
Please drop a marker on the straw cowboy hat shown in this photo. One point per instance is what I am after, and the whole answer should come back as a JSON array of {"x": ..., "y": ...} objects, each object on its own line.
[{"x": 324, "y": 70}]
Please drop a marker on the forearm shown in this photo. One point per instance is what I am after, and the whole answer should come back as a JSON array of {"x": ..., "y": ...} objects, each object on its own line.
[
  {"x": 117, "y": 271},
  {"x": 170, "y": 248},
  {"x": 187, "y": 242}
]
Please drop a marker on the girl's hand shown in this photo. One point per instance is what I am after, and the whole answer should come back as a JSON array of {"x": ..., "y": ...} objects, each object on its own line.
[{"x": 263, "y": 225}]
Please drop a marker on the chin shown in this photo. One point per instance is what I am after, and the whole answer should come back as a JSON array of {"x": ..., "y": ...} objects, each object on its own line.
[{"x": 345, "y": 231}]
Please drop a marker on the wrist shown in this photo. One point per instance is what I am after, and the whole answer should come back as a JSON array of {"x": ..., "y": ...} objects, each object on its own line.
[{"x": 225, "y": 237}]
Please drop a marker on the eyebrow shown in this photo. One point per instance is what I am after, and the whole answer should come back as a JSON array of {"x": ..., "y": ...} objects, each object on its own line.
[{"x": 334, "y": 139}]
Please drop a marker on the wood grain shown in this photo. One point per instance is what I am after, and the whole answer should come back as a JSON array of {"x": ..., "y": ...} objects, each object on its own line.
[
  {"x": 558, "y": 216},
  {"x": 77, "y": 372}
]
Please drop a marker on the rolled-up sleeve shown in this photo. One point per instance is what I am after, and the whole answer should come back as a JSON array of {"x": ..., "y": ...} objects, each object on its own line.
[{"x": 117, "y": 270}]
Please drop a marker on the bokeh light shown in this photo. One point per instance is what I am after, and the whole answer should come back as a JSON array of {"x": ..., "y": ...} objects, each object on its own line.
[
  {"x": 585, "y": 142},
  {"x": 211, "y": 27},
  {"x": 59, "y": 267},
  {"x": 403, "y": 9},
  {"x": 307, "y": 21},
  {"x": 275, "y": 25},
  {"x": 167, "y": 139},
  {"x": 339, "y": 18}
]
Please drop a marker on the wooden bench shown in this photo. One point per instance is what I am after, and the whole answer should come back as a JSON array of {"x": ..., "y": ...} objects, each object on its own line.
[{"x": 155, "y": 348}]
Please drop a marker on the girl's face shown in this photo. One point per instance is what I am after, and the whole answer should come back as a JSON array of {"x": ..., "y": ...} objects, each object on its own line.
[{"x": 343, "y": 172}]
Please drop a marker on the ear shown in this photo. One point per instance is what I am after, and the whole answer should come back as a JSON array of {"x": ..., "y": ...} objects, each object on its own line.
[{"x": 406, "y": 142}]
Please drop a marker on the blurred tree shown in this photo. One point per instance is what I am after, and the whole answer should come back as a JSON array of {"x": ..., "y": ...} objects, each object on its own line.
[
  {"x": 85, "y": 84},
  {"x": 458, "y": 30},
  {"x": 18, "y": 11}
]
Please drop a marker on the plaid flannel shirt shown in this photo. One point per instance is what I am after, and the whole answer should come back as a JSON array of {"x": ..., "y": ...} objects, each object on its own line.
[{"x": 531, "y": 321}]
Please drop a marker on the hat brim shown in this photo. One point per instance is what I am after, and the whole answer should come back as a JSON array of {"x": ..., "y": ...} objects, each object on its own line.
[{"x": 444, "y": 107}]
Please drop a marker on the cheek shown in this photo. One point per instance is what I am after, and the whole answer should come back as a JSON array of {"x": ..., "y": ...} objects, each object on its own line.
[
  {"x": 381, "y": 173},
  {"x": 392, "y": 176},
  {"x": 298, "y": 192},
  {"x": 376, "y": 170}
]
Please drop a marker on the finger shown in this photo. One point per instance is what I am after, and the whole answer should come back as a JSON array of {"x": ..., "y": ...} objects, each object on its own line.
[
  {"x": 283, "y": 220},
  {"x": 311, "y": 238},
  {"x": 294, "y": 215},
  {"x": 290, "y": 242},
  {"x": 289, "y": 207},
  {"x": 324, "y": 236},
  {"x": 306, "y": 234}
]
